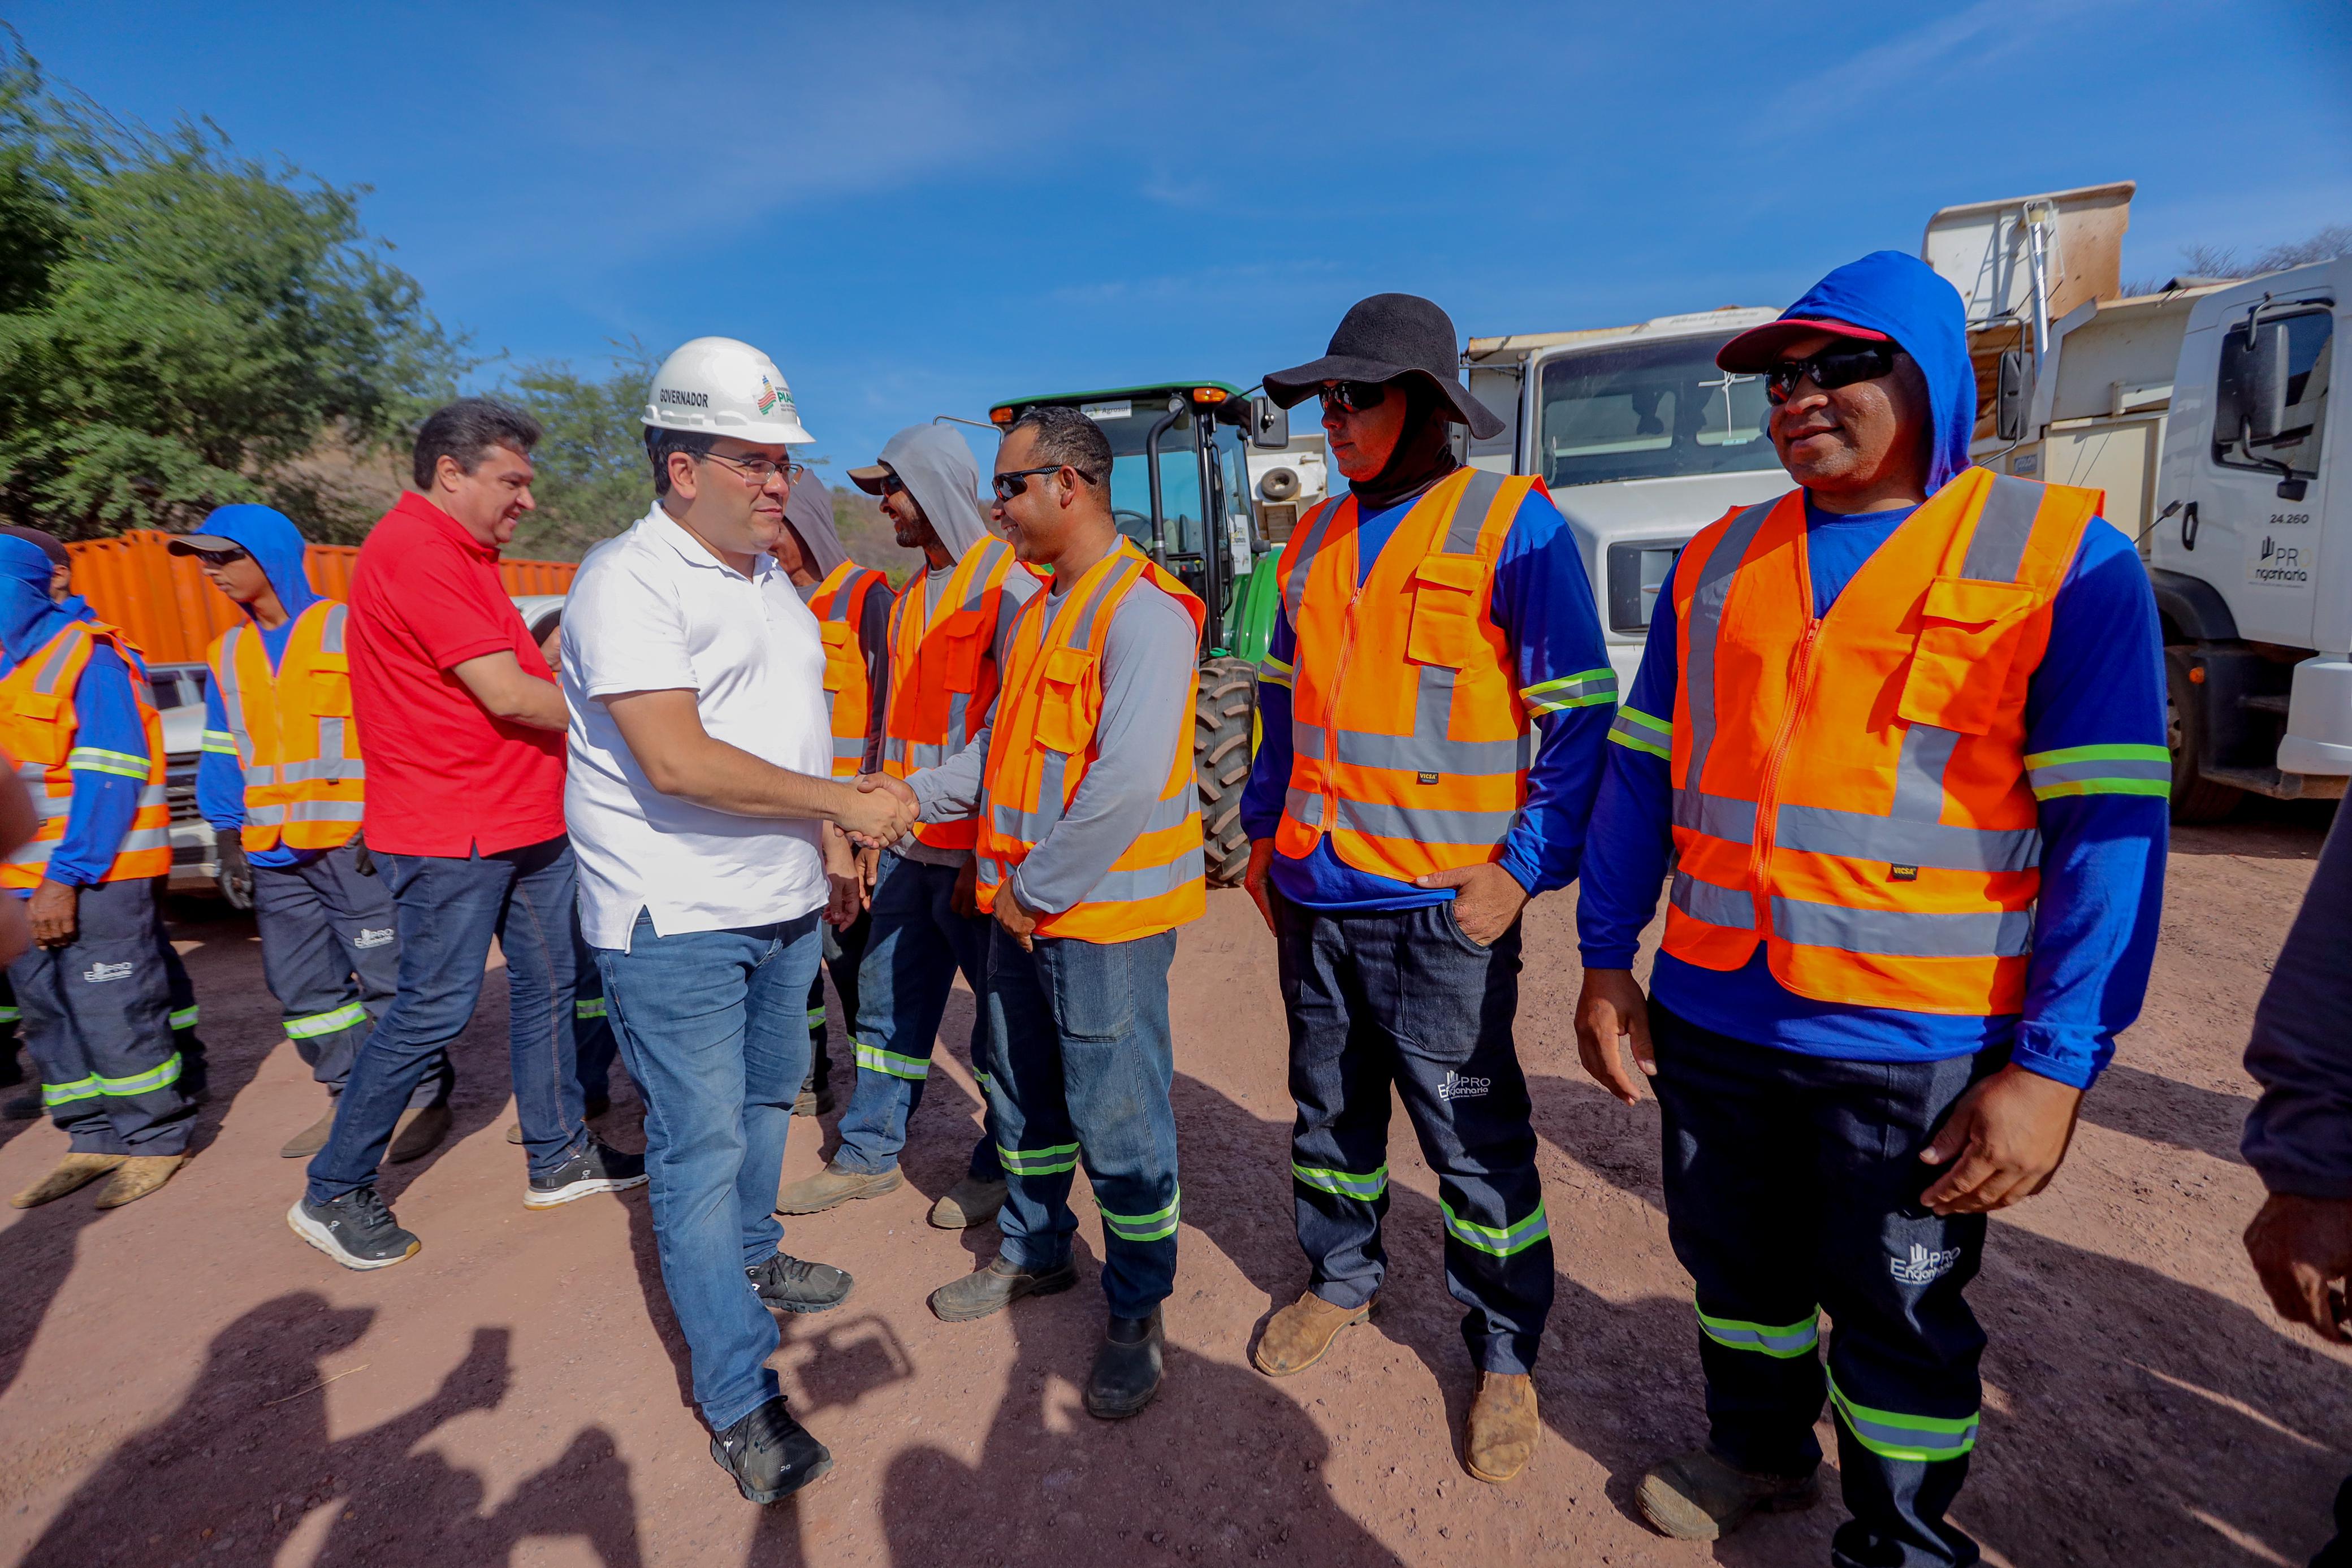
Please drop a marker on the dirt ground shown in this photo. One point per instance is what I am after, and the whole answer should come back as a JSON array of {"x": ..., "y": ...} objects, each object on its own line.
[{"x": 184, "y": 1382}]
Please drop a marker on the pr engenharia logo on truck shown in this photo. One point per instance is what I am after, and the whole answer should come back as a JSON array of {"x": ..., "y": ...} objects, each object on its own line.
[{"x": 2279, "y": 564}]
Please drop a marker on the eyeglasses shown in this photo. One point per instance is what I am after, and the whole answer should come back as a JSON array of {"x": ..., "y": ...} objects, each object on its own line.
[
  {"x": 1008, "y": 486},
  {"x": 1831, "y": 368},
  {"x": 219, "y": 557},
  {"x": 760, "y": 470},
  {"x": 1352, "y": 397},
  {"x": 891, "y": 483}
]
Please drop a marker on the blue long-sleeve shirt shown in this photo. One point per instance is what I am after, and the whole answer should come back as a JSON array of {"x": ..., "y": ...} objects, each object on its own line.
[
  {"x": 220, "y": 777},
  {"x": 2100, "y": 683},
  {"x": 110, "y": 761},
  {"x": 1543, "y": 604}
]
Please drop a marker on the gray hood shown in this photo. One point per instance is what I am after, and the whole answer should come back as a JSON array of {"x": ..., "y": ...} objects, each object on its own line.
[
  {"x": 809, "y": 510},
  {"x": 934, "y": 462}
]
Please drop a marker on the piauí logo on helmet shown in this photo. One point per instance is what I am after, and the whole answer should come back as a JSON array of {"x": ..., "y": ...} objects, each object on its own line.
[{"x": 769, "y": 395}]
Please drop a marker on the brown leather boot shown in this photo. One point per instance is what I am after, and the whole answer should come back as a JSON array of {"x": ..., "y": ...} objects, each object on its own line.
[
  {"x": 140, "y": 1175},
  {"x": 834, "y": 1186},
  {"x": 418, "y": 1132},
  {"x": 1699, "y": 1496},
  {"x": 313, "y": 1138},
  {"x": 73, "y": 1173},
  {"x": 1499, "y": 1438},
  {"x": 1296, "y": 1337}
]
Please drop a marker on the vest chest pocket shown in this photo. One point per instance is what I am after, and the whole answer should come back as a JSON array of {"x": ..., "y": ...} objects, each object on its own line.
[
  {"x": 1969, "y": 632},
  {"x": 331, "y": 685},
  {"x": 1444, "y": 626},
  {"x": 963, "y": 637},
  {"x": 841, "y": 652},
  {"x": 1069, "y": 701},
  {"x": 32, "y": 731}
]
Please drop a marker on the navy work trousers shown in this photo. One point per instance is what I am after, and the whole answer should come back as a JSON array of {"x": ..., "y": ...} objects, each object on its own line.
[
  {"x": 1083, "y": 1076},
  {"x": 330, "y": 954},
  {"x": 1405, "y": 999},
  {"x": 97, "y": 1023},
  {"x": 1792, "y": 1186},
  {"x": 844, "y": 951}
]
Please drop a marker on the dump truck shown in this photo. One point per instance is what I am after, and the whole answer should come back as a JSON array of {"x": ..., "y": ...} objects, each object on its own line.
[{"x": 1181, "y": 488}]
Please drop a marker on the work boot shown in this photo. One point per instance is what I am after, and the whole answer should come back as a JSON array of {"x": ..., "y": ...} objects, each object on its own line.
[
  {"x": 140, "y": 1175},
  {"x": 1296, "y": 1337},
  {"x": 23, "y": 1108},
  {"x": 1700, "y": 1496},
  {"x": 1499, "y": 1438},
  {"x": 419, "y": 1131},
  {"x": 73, "y": 1173},
  {"x": 832, "y": 1186},
  {"x": 995, "y": 1288},
  {"x": 589, "y": 1111},
  {"x": 788, "y": 1284},
  {"x": 814, "y": 1099},
  {"x": 770, "y": 1454},
  {"x": 313, "y": 1138},
  {"x": 1127, "y": 1368},
  {"x": 970, "y": 1202}
]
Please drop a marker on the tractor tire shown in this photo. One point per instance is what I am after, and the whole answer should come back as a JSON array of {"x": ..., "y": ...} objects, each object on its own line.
[
  {"x": 2195, "y": 798},
  {"x": 1224, "y": 708}
]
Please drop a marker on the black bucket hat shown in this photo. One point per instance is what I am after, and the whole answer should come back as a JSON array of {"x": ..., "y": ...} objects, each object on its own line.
[{"x": 1384, "y": 338}]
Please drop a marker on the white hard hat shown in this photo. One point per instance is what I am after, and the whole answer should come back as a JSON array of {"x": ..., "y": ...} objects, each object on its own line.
[{"x": 724, "y": 387}]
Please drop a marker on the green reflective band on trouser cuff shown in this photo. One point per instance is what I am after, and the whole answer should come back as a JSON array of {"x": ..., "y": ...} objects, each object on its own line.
[
  {"x": 594, "y": 1008},
  {"x": 873, "y": 1059},
  {"x": 1144, "y": 1227},
  {"x": 1784, "y": 1342},
  {"x": 1922, "y": 1439},
  {"x": 146, "y": 1083},
  {"x": 90, "y": 759},
  {"x": 1639, "y": 731},
  {"x": 66, "y": 1094},
  {"x": 184, "y": 1018},
  {"x": 1039, "y": 1162},
  {"x": 815, "y": 1015},
  {"x": 10, "y": 1015},
  {"x": 2118, "y": 769},
  {"x": 1342, "y": 1184},
  {"x": 1502, "y": 1243},
  {"x": 1586, "y": 688},
  {"x": 317, "y": 1024}
]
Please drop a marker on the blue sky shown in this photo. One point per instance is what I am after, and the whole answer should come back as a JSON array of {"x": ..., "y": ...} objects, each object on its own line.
[{"x": 918, "y": 209}]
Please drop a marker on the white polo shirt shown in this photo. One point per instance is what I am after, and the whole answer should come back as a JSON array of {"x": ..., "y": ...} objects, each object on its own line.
[{"x": 654, "y": 611}]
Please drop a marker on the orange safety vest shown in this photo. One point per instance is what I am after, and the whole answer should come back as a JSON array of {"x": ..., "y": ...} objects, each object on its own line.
[
  {"x": 839, "y": 606},
  {"x": 1850, "y": 789},
  {"x": 37, "y": 721},
  {"x": 943, "y": 675},
  {"x": 1409, "y": 737},
  {"x": 291, "y": 730},
  {"x": 1043, "y": 743}
]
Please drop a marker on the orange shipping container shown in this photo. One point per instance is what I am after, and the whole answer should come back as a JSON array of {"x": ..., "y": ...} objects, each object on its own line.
[{"x": 172, "y": 614}]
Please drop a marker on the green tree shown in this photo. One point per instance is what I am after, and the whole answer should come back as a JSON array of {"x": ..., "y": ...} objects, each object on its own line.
[
  {"x": 181, "y": 327},
  {"x": 592, "y": 481}
]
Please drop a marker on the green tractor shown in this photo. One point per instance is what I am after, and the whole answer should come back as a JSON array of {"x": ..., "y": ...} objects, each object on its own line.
[{"x": 1180, "y": 488}]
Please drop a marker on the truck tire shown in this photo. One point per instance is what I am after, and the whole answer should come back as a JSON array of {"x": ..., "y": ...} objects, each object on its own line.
[
  {"x": 2195, "y": 798},
  {"x": 1224, "y": 703}
]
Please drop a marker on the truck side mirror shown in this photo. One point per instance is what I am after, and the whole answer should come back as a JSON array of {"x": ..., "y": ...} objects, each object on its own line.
[
  {"x": 2013, "y": 390},
  {"x": 1269, "y": 426}
]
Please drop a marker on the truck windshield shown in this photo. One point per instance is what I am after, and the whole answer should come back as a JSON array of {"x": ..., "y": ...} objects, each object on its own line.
[
  {"x": 1645, "y": 411},
  {"x": 1127, "y": 422}
]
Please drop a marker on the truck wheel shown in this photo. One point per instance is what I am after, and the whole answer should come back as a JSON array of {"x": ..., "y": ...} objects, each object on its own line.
[
  {"x": 2195, "y": 798},
  {"x": 1222, "y": 707}
]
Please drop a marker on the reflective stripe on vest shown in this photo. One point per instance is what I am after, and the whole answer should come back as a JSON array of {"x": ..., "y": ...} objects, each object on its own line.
[
  {"x": 305, "y": 782},
  {"x": 1850, "y": 789},
  {"x": 1411, "y": 643},
  {"x": 39, "y": 721},
  {"x": 1044, "y": 744},
  {"x": 944, "y": 674},
  {"x": 839, "y": 606}
]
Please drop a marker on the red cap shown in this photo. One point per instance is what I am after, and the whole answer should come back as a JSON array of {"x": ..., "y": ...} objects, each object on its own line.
[{"x": 1758, "y": 348}]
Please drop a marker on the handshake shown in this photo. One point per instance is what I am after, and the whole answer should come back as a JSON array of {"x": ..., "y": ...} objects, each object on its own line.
[{"x": 878, "y": 812}]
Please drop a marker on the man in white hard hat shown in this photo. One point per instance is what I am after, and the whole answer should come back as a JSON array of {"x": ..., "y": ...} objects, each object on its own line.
[{"x": 709, "y": 833}]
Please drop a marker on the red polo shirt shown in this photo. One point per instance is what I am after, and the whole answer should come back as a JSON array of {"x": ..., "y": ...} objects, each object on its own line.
[{"x": 444, "y": 777}]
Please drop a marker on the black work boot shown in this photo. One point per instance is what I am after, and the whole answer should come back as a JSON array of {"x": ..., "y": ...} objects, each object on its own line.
[
  {"x": 788, "y": 1284},
  {"x": 995, "y": 1288},
  {"x": 1127, "y": 1368},
  {"x": 770, "y": 1454}
]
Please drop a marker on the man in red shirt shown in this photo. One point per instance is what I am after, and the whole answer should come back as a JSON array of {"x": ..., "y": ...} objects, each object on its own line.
[{"x": 464, "y": 729}]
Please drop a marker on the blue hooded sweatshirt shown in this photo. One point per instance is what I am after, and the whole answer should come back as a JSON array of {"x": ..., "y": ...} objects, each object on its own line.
[
  {"x": 110, "y": 759},
  {"x": 280, "y": 548},
  {"x": 2100, "y": 683}
]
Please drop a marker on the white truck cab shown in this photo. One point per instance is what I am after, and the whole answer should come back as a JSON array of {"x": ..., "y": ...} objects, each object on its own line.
[{"x": 1641, "y": 440}]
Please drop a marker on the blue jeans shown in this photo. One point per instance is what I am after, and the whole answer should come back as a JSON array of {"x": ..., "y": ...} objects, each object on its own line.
[
  {"x": 1083, "y": 1075},
  {"x": 713, "y": 1025},
  {"x": 448, "y": 911},
  {"x": 916, "y": 945}
]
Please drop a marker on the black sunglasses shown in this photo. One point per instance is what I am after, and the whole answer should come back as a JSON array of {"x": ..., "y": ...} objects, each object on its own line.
[
  {"x": 218, "y": 557},
  {"x": 1008, "y": 486},
  {"x": 891, "y": 483},
  {"x": 1352, "y": 397},
  {"x": 1831, "y": 368}
]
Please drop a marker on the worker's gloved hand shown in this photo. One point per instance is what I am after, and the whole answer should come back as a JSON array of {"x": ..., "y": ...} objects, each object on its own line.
[
  {"x": 235, "y": 876},
  {"x": 362, "y": 861}
]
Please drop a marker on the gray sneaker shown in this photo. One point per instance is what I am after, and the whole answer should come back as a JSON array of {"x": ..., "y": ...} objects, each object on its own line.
[{"x": 1700, "y": 1497}]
